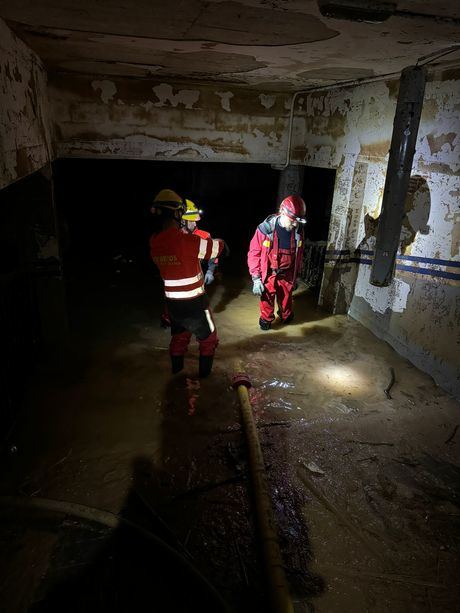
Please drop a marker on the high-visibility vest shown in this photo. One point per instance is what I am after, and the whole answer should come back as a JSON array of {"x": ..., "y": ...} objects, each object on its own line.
[{"x": 178, "y": 256}]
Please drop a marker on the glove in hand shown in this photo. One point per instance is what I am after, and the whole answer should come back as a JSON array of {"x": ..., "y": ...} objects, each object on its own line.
[
  {"x": 208, "y": 278},
  {"x": 257, "y": 287}
]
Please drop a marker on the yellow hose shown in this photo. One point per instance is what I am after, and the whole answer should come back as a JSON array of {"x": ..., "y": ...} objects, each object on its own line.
[{"x": 279, "y": 589}]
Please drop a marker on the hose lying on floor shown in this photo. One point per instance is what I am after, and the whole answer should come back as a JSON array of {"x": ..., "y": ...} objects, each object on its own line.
[{"x": 281, "y": 601}]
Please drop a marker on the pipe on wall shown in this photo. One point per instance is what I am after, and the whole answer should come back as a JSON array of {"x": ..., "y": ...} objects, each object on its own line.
[
  {"x": 352, "y": 83},
  {"x": 322, "y": 88},
  {"x": 402, "y": 149}
]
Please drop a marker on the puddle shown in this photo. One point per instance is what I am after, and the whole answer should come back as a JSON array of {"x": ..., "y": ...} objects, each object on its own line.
[
  {"x": 341, "y": 407},
  {"x": 276, "y": 383},
  {"x": 280, "y": 403}
]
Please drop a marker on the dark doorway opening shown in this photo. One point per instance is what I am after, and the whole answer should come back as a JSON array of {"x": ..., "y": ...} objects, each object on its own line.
[
  {"x": 105, "y": 206},
  {"x": 24, "y": 208},
  {"x": 104, "y": 209},
  {"x": 318, "y": 193}
]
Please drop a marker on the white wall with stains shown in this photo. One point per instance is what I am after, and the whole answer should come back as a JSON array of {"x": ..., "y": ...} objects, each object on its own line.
[
  {"x": 25, "y": 143},
  {"x": 350, "y": 129},
  {"x": 156, "y": 120}
]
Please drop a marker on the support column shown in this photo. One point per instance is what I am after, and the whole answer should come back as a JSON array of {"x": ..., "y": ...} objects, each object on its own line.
[
  {"x": 50, "y": 285},
  {"x": 290, "y": 182}
]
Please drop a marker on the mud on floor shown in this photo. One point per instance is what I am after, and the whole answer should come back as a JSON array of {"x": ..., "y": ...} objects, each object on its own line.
[{"x": 365, "y": 488}]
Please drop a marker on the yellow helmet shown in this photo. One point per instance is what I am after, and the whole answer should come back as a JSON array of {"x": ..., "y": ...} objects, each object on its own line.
[
  {"x": 167, "y": 199},
  {"x": 192, "y": 213}
]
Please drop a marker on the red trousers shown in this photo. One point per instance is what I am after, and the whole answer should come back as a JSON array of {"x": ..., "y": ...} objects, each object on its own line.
[
  {"x": 192, "y": 317},
  {"x": 180, "y": 342},
  {"x": 281, "y": 287}
]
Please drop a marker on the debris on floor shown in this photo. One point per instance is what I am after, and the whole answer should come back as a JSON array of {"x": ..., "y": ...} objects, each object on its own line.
[{"x": 365, "y": 485}]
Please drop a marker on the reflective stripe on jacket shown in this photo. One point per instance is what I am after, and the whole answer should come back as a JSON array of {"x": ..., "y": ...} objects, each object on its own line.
[
  {"x": 262, "y": 245},
  {"x": 177, "y": 256},
  {"x": 212, "y": 264}
]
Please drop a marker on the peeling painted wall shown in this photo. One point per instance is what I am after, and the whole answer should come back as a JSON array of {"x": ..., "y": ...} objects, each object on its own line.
[
  {"x": 419, "y": 313},
  {"x": 155, "y": 120},
  {"x": 25, "y": 140}
]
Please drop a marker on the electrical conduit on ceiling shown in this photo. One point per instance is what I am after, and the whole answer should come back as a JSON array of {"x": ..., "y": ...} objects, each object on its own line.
[{"x": 351, "y": 83}]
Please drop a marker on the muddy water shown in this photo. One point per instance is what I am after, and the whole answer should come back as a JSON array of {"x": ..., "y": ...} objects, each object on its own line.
[{"x": 365, "y": 488}]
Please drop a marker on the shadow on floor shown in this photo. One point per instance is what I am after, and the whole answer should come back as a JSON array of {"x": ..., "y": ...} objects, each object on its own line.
[
  {"x": 94, "y": 568},
  {"x": 232, "y": 289}
]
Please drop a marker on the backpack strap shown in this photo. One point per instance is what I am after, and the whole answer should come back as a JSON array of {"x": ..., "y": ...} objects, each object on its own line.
[{"x": 267, "y": 227}]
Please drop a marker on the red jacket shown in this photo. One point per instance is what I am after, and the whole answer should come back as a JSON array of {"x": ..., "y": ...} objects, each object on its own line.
[
  {"x": 178, "y": 256},
  {"x": 201, "y": 233},
  {"x": 262, "y": 245},
  {"x": 213, "y": 262}
]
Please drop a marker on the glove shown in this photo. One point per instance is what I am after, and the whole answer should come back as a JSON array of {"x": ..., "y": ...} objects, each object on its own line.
[
  {"x": 208, "y": 278},
  {"x": 257, "y": 287}
]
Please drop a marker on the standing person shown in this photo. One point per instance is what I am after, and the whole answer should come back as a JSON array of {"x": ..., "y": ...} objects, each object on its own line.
[
  {"x": 189, "y": 225},
  {"x": 177, "y": 255},
  {"x": 190, "y": 218},
  {"x": 275, "y": 258}
]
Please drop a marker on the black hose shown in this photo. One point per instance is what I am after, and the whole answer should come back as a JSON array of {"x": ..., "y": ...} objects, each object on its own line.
[
  {"x": 390, "y": 385},
  {"x": 113, "y": 521}
]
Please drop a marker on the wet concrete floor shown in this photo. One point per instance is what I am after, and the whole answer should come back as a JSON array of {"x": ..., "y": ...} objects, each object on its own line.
[{"x": 365, "y": 488}]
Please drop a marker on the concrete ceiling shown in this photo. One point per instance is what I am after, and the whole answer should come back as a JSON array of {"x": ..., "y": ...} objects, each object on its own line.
[{"x": 271, "y": 44}]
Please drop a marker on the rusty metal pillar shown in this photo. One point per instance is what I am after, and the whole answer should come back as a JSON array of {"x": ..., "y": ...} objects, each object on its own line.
[{"x": 402, "y": 149}]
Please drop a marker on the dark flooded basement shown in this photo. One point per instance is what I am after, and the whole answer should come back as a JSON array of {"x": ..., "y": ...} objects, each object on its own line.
[{"x": 364, "y": 485}]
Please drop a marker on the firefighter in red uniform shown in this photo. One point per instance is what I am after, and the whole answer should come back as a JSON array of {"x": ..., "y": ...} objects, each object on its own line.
[
  {"x": 177, "y": 255},
  {"x": 274, "y": 260},
  {"x": 189, "y": 220}
]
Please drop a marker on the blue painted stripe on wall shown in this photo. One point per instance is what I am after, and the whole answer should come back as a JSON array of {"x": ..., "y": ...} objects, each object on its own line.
[
  {"x": 412, "y": 258},
  {"x": 416, "y": 258},
  {"x": 429, "y": 271},
  {"x": 337, "y": 251},
  {"x": 418, "y": 270},
  {"x": 361, "y": 261}
]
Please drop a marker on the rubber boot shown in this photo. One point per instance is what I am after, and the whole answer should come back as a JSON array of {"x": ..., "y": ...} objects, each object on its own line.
[
  {"x": 205, "y": 365},
  {"x": 264, "y": 325},
  {"x": 177, "y": 363},
  {"x": 288, "y": 319}
]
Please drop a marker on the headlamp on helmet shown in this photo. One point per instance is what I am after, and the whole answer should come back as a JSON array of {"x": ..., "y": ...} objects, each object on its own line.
[
  {"x": 294, "y": 208},
  {"x": 192, "y": 213}
]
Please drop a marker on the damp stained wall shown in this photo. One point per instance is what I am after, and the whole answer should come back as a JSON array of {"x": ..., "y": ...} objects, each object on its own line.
[
  {"x": 419, "y": 313},
  {"x": 146, "y": 119},
  {"x": 25, "y": 140}
]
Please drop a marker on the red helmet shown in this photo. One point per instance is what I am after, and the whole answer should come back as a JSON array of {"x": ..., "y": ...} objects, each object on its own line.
[{"x": 294, "y": 207}]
